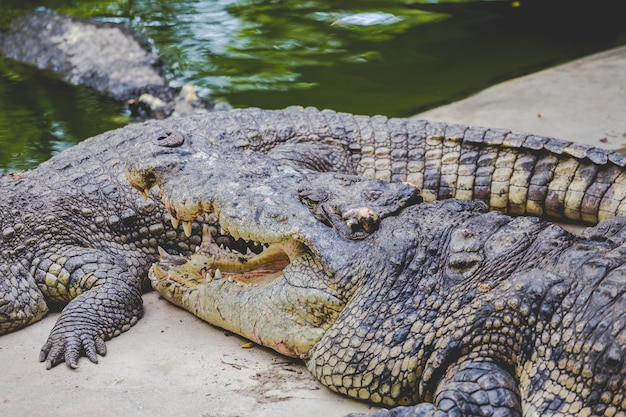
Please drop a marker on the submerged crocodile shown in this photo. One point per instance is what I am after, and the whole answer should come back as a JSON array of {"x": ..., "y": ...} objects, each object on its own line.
[
  {"x": 74, "y": 232},
  {"x": 435, "y": 309},
  {"x": 108, "y": 57}
]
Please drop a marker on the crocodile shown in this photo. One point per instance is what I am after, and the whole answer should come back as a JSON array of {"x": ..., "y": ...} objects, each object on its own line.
[
  {"x": 74, "y": 235},
  {"x": 108, "y": 57},
  {"x": 431, "y": 309}
]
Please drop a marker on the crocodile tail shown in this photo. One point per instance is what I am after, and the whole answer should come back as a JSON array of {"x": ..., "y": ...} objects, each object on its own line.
[{"x": 512, "y": 172}]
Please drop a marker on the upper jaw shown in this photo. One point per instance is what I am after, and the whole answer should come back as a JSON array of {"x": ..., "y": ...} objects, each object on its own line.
[
  {"x": 252, "y": 196},
  {"x": 258, "y": 199}
]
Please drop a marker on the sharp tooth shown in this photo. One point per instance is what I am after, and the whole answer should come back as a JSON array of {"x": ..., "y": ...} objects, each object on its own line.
[
  {"x": 174, "y": 221},
  {"x": 248, "y": 251},
  {"x": 218, "y": 274},
  {"x": 145, "y": 194},
  {"x": 222, "y": 231},
  {"x": 158, "y": 272},
  {"x": 176, "y": 259},
  {"x": 207, "y": 238},
  {"x": 187, "y": 227}
]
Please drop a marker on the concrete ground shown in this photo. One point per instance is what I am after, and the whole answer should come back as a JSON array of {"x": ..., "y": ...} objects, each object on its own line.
[
  {"x": 584, "y": 100},
  {"x": 170, "y": 363}
]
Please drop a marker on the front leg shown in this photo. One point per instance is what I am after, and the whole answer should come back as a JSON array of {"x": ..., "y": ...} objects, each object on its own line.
[
  {"x": 107, "y": 301},
  {"x": 472, "y": 388},
  {"x": 21, "y": 301}
]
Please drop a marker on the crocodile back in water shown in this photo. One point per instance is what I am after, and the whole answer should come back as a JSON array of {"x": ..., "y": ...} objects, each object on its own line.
[{"x": 73, "y": 231}]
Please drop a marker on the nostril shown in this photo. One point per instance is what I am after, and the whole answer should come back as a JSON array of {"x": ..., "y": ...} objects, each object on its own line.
[{"x": 171, "y": 139}]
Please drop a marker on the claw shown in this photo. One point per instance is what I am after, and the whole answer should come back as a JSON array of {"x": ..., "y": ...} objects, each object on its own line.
[
  {"x": 51, "y": 354},
  {"x": 71, "y": 359},
  {"x": 43, "y": 354},
  {"x": 50, "y": 365},
  {"x": 67, "y": 343},
  {"x": 93, "y": 348}
]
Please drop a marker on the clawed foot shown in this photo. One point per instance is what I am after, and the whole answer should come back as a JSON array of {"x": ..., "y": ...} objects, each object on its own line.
[{"x": 68, "y": 342}]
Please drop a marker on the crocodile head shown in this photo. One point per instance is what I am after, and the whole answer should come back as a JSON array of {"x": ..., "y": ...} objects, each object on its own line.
[{"x": 310, "y": 225}]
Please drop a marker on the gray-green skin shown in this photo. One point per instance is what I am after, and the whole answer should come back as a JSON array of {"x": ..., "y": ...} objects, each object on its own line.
[
  {"x": 74, "y": 232},
  {"x": 436, "y": 309}
]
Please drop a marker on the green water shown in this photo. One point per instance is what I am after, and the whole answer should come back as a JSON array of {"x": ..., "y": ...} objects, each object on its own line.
[
  {"x": 371, "y": 57},
  {"x": 41, "y": 115}
]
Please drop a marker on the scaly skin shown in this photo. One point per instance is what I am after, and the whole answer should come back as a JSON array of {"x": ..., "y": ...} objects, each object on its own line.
[
  {"x": 436, "y": 309},
  {"x": 512, "y": 172},
  {"x": 73, "y": 232}
]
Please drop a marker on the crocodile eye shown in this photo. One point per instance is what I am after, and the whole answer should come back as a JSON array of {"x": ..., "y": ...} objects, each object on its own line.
[{"x": 170, "y": 139}]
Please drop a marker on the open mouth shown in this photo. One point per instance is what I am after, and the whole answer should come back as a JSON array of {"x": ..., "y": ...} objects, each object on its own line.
[
  {"x": 225, "y": 255},
  {"x": 220, "y": 236},
  {"x": 278, "y": 298}
]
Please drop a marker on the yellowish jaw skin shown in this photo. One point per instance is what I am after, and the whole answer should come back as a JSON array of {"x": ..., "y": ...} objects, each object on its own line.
[{"x": 228, "y": 289}]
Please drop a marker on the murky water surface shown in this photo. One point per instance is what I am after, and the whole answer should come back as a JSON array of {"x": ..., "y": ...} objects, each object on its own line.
[{"x": 392, "y": 57}]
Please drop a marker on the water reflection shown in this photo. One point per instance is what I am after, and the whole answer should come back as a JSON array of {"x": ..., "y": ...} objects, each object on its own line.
[
  {"x": 386, "y": 57},
  {"x": 41, "y": 116},
  {"x": 365, "y": 19},
  {"x": 258, "y": 45}
]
